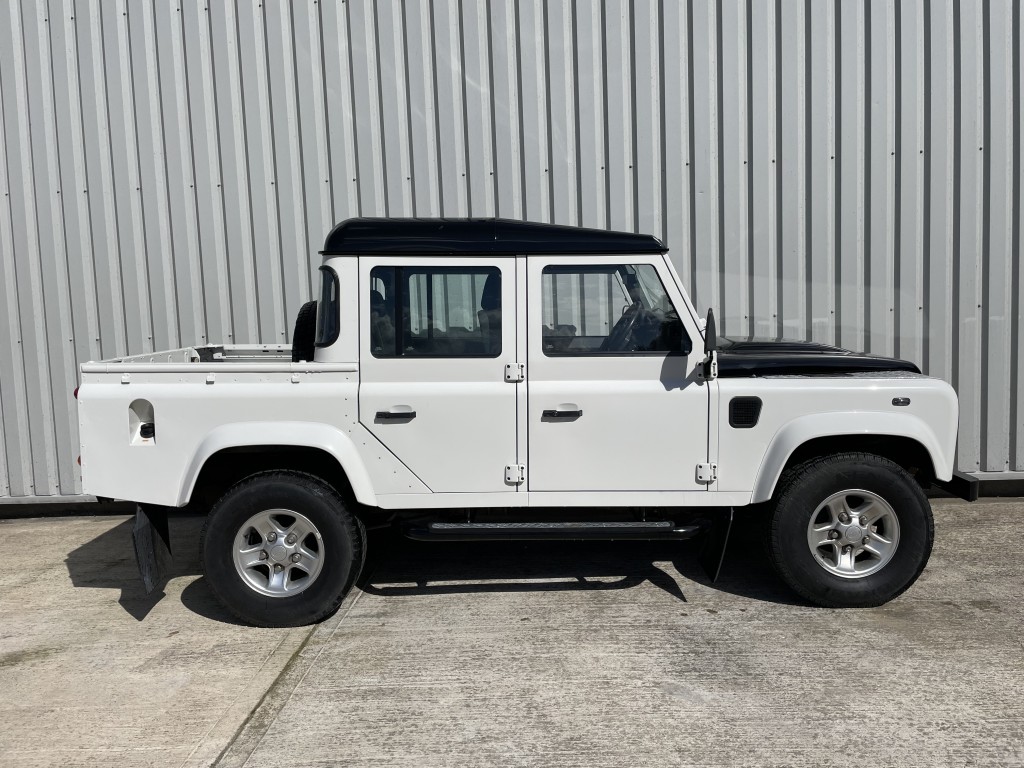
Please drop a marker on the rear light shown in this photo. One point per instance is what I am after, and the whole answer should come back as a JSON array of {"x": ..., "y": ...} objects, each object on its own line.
[
  {"x": 76, "y": 393},
  {"x": 79, "y": 461}
]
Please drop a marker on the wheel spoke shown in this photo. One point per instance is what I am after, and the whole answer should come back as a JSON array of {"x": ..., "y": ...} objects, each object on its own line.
[
  {"x": 309, "y": 557},
  {"x": 249, "y": 557},
  {"x": 300, "y": 529},
  {"x": 821, "y": 539},
  {"x": 277, "y": 580},
  {"x": 836, "y": 507},
  {"x": 870, "y": 512},
  {"x": 876, "y": 536},
  {"x": 265, "y": 525},
  {"x": 845, "y": 559},
  {"x": 871, "y": 551}
]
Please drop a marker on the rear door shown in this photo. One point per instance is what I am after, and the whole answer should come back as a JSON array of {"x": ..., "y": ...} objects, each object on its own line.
[
  {"x": 435, "y": 335},
  {"x": 615, "y": 399}
]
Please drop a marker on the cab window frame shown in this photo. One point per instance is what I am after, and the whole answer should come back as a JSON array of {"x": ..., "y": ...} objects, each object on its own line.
[
  {"x": 401, "y": 311},
  {"x": 549, "y": 302}
]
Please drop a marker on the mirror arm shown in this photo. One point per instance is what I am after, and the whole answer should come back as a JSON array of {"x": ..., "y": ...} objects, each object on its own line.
[{"x": 710, "y": 347}]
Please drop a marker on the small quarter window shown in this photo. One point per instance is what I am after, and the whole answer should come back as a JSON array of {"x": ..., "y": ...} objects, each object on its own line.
[
  {"x": 328, "y": 309},
  {"x": 435, "y": 311},
  {"x": 615, "y": 309}
]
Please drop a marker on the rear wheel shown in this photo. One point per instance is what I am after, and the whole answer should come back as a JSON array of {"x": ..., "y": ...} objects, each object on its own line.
[
  {"x": 850, "y": 530},
  {"x": 280, "y": 549}
]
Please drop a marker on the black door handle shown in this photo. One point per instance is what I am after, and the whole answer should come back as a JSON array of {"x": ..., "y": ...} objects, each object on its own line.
[
  {"x": 396, "y": 415},
  {"x": 553, "y": 414}
]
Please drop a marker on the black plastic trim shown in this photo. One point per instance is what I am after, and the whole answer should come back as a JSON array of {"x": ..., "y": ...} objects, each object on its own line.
[
  {"x": 326, "y": 307},
  {"x": 735, "y": 365},
  {"x": 556, "y": 414},
  {"x": 747, "y": 423},
  {"x": 554, "y": 531},
  {"x": 479, "y": 236},
  {"x": 961, "y": 485}
]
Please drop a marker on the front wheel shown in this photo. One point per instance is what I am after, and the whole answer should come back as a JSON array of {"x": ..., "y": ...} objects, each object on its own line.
[
  {"x": 852, "y": 530},
  {"x": 281, "y": 550}
]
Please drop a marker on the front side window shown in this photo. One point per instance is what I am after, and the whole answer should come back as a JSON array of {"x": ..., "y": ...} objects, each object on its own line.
[
  {"x": 615, "y": 309},
  {"x": 327, "y": 309},
  {"x": 435, "y": 311}
]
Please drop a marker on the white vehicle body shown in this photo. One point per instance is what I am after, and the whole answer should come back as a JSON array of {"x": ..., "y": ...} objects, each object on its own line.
[
  {"x": 480, "y": 379},
  {"x": 649, "y": 425}
]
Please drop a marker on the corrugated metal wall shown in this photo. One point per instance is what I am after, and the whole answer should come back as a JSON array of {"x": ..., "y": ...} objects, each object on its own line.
[{"x": 844, "y": 171}]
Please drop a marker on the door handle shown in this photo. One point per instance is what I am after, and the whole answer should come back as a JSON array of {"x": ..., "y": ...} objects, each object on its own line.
[
  {"x": 397, "y": 412},
  {"x": 556, "y": 413}
]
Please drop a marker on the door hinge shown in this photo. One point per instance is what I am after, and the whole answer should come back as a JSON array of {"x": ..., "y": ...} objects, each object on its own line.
[
  {"x": 707, "y": 473},
  {"x": 515, "y": 372},
  {"x": 515, "y": 474},
  {"x": 709, "y": 368}
]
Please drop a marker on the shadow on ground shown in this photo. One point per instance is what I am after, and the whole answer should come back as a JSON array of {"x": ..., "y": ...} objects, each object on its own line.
[
  {"x": 397, "y": 566},
  {"x": 401, "y": 567},
  {"x": 108, "y": 562}
]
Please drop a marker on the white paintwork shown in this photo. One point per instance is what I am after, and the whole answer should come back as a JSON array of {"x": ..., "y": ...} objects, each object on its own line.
[
  {"x": 194, "y": 419},
  {"x": 647, "y": 421},
  {"x": 798, "y": 409},
  {"x": 644, "y": 422},
  {"x": 464, "y": 432},
  {"x": 294, "y": 433}
]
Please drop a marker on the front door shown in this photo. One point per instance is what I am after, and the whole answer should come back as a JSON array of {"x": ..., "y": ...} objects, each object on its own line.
[
  {"x": 615, "y": 399},
  {"x": 435, "y": 335}
]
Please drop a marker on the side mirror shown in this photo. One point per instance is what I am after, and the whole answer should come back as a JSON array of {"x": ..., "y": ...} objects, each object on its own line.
[{"x": 710, "y": 333}]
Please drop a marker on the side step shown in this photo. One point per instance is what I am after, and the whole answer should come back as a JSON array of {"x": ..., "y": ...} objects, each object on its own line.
[{"x": 644, "y": 531}]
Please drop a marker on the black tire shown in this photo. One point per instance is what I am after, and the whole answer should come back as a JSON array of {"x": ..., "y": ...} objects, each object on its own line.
[
  {"x": 342, "y": 551},
  {"x": 803, "y": 489},
  {"x": 304, "y": 337}
]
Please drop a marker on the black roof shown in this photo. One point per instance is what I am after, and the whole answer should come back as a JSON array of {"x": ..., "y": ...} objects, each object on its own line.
[{"x": 475, "y": 236}]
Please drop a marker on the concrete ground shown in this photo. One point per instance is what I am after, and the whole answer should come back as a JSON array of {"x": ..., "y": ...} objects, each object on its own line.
[{"x": 575, "y": 654}]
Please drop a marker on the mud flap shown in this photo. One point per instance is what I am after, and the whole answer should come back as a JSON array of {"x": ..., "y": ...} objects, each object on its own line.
[
  {"x": 713, "y": 551},
  {"x": 152, "y": 540}
]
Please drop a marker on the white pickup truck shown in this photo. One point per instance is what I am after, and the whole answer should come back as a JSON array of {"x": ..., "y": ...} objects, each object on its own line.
[{"x": 483, "y": 378}]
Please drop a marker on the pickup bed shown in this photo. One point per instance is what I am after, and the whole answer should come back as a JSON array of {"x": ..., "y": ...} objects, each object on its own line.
[{"x": 480, "y": 378}]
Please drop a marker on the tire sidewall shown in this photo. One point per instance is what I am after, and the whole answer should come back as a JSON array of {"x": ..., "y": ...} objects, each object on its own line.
[
  {"x": 797, "y": 564},
  {"x": 339, "y": 550}
]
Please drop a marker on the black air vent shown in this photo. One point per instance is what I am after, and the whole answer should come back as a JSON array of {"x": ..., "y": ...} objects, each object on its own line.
[{"x": 744, "y": 412}]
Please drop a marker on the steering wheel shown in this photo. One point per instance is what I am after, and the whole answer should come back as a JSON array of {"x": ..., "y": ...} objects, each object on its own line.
[{"x": 623, "y": 329}]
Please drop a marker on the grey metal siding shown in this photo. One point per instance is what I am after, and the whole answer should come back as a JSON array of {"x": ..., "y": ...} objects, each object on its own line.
[{"x": 843, "y": 171}]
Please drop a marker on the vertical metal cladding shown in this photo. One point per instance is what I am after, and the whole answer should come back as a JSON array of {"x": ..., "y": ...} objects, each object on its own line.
[{"x": 843, "y": 171}]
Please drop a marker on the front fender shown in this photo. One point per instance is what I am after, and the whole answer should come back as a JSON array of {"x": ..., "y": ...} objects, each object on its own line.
[
  {"x": 295, "y": 433},
  {"x": 797, "y": 432}
]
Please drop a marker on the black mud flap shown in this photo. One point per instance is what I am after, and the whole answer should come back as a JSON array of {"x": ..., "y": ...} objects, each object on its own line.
[
  {"x": 713, "y": 551},
  {"x": 152, "y": 547}
]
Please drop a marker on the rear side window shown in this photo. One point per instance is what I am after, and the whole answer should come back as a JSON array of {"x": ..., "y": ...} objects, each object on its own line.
[
  {"x": 435, "y": 311},
  {"x": 328, "y": 309},
  {"x": 616, "y": 309}
]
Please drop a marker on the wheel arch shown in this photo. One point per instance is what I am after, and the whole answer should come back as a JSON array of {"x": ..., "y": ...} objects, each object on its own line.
[
  {"x": 235, "y": 451},
  {"x": 905, "y": 440}
]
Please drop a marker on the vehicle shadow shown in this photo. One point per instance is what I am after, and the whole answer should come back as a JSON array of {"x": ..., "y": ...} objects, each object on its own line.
[
  {"x": 108, "y": 562},
  {"x": 397, "y": 566},
  {"x": 402, "y": 567}
]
